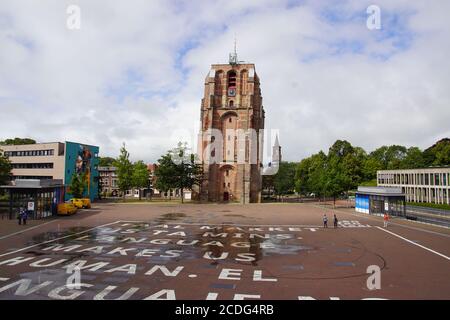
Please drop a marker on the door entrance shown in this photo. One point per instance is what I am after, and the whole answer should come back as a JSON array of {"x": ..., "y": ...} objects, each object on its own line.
[{"x": 226, "y": 196}]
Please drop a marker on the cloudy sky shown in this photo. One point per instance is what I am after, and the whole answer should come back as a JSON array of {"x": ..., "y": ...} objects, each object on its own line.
[{"x": 134, "y": 71}]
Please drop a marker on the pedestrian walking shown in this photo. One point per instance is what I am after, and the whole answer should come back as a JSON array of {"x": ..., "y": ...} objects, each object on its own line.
[
  {"x": 325, "y": 221},
  {"x": 24, "y": 216},
  {"x": 386, "y": 219},
  {"x": 335, "y": 221},
  {"x": 20, "y": 215}
]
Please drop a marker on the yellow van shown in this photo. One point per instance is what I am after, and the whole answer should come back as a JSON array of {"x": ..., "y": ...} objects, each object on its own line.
[
  {"x": 81, "y": 203},
  {"x": 66, "y": 209},
  {"x": 78, "y": 203}
]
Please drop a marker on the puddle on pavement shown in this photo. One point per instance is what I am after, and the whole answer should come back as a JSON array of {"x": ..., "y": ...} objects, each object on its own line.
[
  {"x": 52, "y": 235},
  {"x": 171, "y": 216},
  {"x": 234, "y": 215}
]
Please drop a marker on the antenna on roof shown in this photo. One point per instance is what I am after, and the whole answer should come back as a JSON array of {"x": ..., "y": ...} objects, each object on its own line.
[{"x": 233, "y": 56}]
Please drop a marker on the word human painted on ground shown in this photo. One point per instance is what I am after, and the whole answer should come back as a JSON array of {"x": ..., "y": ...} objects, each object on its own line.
[{"x": 155, "y": 257}]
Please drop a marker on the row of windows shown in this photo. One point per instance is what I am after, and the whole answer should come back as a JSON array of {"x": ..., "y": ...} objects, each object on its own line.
[
  {"x": 106, "y": 183},
  {"x": 427, "y": 179},
  {"x": 32, "y": 165},
  {"x": 32, "y": 177},
  {"x": 30, "y": 153}
]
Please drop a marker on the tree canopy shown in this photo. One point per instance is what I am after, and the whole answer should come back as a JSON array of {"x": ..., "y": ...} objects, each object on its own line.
[
  {"x": 106, "y": 161},
  {"x": 140, "y": 176},
  {"x": 178, "y": 170},
  {"x": 17, "y": 141},
  {"x": 124, "y": 170},
  {"x": 5, "y": 169},
  {"x": 77, "y": 186},
  {"x": 283, "y": 182},
  {"x": 345, "y": 166}
]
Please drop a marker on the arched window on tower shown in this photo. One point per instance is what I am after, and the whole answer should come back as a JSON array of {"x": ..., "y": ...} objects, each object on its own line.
[
  {"x": 231, "y": 84},
  {"x": 231, "y": 104}
]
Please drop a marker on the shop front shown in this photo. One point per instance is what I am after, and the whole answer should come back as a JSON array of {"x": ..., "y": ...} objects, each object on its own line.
[
  {"x": 380, "y": 200},
  {"x": 39, "y": 197}
]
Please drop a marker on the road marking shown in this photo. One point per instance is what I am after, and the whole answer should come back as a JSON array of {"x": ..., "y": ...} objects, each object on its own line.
[
  {"x": 414, "y": 243},
  {"x": 52, "y": 240},
  {"x": 22, "y": 231},
  {"x": 371, "y": 217},
  {"x": 221, "y": 224}
]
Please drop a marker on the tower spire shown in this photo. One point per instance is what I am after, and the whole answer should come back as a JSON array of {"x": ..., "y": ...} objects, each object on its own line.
[{"x": 233, "y": 56}]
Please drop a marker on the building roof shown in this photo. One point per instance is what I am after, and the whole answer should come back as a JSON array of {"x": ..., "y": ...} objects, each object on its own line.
[
  {"x": 34, "y": 184},
  {"x": 106, "y": 168},
  {"x": 381, "y": 191},
  {"x": 417, "y": 169},
  {"x": 40, "y": 143}
]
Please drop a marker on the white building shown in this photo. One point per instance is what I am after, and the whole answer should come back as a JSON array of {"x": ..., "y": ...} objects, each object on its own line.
[{"x": 430, "y": 185}]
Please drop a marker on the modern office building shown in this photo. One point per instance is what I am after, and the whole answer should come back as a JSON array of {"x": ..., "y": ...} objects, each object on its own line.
[
  {"x": 55, "y": 161},
  {"x": 430, "y": 185}
]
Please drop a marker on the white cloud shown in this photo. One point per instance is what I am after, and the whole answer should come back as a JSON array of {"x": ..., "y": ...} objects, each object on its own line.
[{"x": 134, "y": 72}]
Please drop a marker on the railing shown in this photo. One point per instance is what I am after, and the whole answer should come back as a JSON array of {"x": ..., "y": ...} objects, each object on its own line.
[{"x": 428, "y": 215}]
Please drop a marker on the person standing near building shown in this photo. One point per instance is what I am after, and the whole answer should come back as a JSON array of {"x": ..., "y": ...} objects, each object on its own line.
[
  {"x": 325, "y": 221},
  {"x": 20, "y": 215},
  {"x": 335, "y": 221},
  {"x": 386, "y": 219},
  {"x": 24, "y": 216}
]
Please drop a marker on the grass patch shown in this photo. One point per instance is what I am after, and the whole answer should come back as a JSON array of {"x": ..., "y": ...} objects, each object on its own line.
[{"x": 430, "y": 205}]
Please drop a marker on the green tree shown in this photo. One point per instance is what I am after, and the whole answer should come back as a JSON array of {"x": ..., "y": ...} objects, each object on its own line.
[
  {"x": 5, "y": 168},
  {"x": 77, "y": 186},
  {"x": 353, "y": 167},
  {"x": 178, "y": 169},
  {"x": 124, "y": 171},
  {"x": 188, "y": 172},
  {"x": 390, "y": 157},
  {"x": 302, "y": 176},
  {"x": 414, "y": 159},
  {"x": 316, "y": 180},
  {"x": 335, "y": 179},
  {"x": 438, "y": 154},
  {"x": 370, "y": 168},
  {"x": 17, "y": 141},
  {"x": 165, "y": 174},
  {"x": 443, "y": 156},
  {"x": 284, "y": 179},
  {"x": 140, "y": 176},
  {"x": 106, "y": 161}
]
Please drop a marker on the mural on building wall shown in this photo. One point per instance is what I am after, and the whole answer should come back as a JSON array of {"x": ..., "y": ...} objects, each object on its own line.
[
  {"x": 83, "y": 166},
  {"x": 83, "y": 161}
]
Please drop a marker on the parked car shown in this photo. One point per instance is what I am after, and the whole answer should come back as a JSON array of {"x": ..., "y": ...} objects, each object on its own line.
[
  {"x": 81, "y": 203},
  {"x": 86, "y": 203},
  {"x": 78, "y": 203},
  {"x": 66, "y": 208}
]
